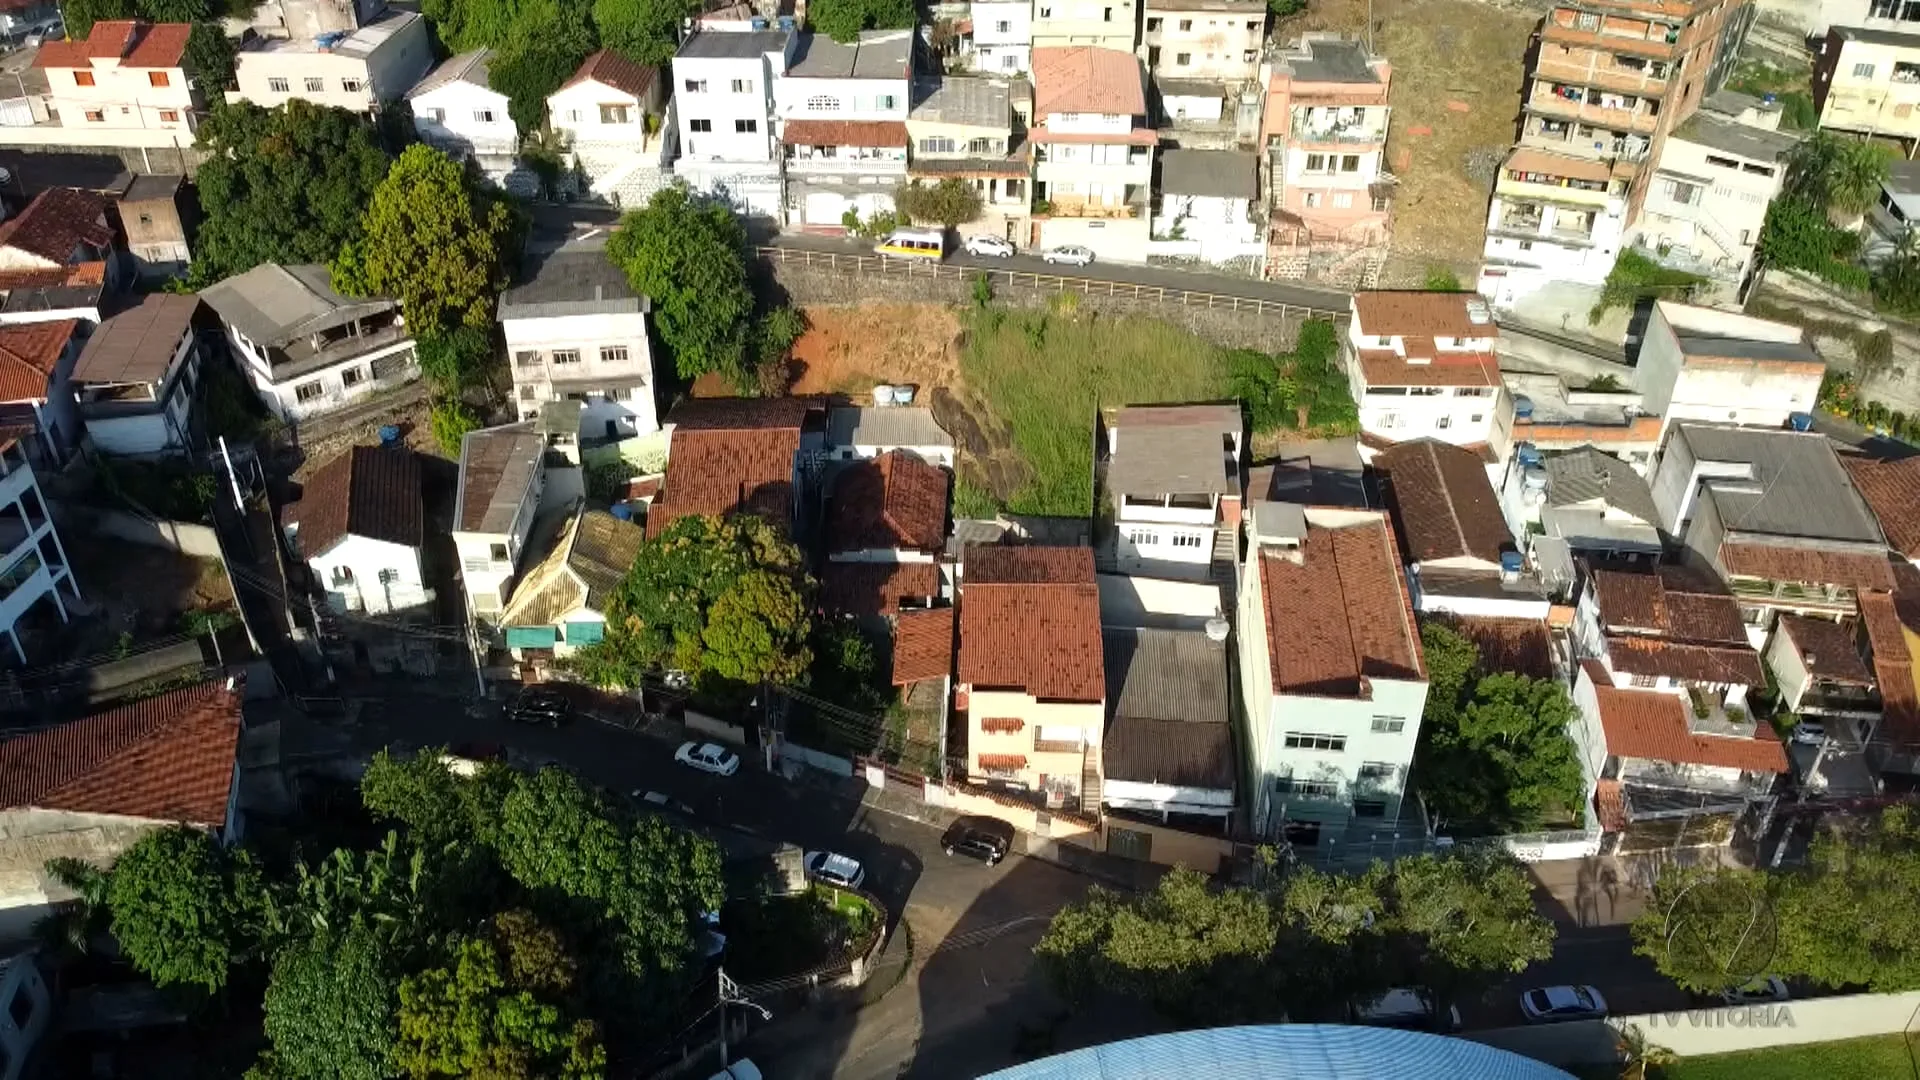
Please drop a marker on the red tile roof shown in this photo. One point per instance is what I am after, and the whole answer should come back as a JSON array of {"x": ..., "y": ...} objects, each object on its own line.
[
  {"x": 1445, "y": 504},
  {"x": 1683, "y": 660},
  {"x": 922, "y": 645},
  {"x": 1652, "y": 725},
  {"x": 844, "y": 133},
  {"x": 370, "y": 491},
  {"x": 1610, "y": 804},
  {"x": 1831, "y": 650},
  {"x": 1881, "y": 616},
  {"x": 1780, "y": 562},
  {"x": 1341, "y": 614},
  {"x": 1683, "y": 603},
  {"x": 895, "y": 501},
  {"x": 1419, "y": 314},
  {"x": 1081, "y": 79},
  {"x": 56, "y": 222},
  {"x": 76, "y": 275},
  {"x": 1030, "y": 621},
  {"x": 168, "y": 758},
  {"x": 876, "y": 588},
  {"x": 1384, "y": 367},
  {"x": 29, "y": 354},
  {"x": 1524, "y": 646},
  {"x": 731, "y": 454},
  {"x": 136, "y": 44},
  {"x": 1892, "y": 491},
  {"x": 610, "y": 68}
]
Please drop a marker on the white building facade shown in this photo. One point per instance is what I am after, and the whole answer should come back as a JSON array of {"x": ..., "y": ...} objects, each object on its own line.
[
  {"x": 843, "y": 125},
  {"x": 356, "y": 71},
  {"x": 1003, "y": 37},
  {"x": 1215, "y": 40},
  {"x": 723, "y": 105},
  {"x": 612, "y": 115},
  {"x": 124, "y": 75},
  {"x": 457, "y": 113},
  {"x": 1093, "y": 151},
  {"x": 35, "y": 565},
  {"x": 576, "y": 330},
  {"x": 1422, "y": 365}
]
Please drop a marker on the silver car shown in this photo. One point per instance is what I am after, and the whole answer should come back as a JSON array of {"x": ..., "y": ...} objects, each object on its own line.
[
  {"x": 1554, "y": 1003},
  {"x": 990, "y": 246},
  {"x": 1069, "y": 254}
]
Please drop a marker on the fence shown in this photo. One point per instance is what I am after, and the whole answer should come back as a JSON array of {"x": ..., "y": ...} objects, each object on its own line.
[
  {"x": 184, "y": 537},
  {"x": 1021, "y": 279},
  {"x": 715, "y": 729}
]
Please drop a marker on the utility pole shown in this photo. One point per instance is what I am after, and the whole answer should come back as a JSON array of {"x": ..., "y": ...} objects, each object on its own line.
[{"x": 730, "y": 995}]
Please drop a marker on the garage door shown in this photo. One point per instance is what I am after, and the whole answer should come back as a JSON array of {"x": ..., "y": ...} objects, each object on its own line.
[{"x": 825, "y": 208}]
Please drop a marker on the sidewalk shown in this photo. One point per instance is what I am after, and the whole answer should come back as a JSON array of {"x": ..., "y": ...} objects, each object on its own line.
[{"x": 1612, "y": 890}]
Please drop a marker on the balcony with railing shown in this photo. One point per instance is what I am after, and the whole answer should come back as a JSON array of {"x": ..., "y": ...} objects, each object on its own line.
[
  {"x": 1606, "y": 71},
  {"x": 1618, "y": 112},
  {"x": 1791, "y": 594},
  {"x": 1312, "y": 124},
  {"x": 337, "y": 345},
  {"x": 1824, "y": 698},
  {"x": 1072, "y": 205},
  {"x": 1057, "y": 746}
]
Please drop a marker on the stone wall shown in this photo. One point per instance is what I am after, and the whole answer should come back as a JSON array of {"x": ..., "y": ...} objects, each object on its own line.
[{"x": 137, "y": 159}]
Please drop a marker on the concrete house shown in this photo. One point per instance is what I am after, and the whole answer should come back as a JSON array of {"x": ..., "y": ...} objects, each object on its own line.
[
  {"x": 1215, "y": 40},
  {"x": 575, "y": 329},
  {"x": 34, "y": 566},
  {"x": 135, "y": 380},
  {"x": 1324, "y": 134},
  {"x": 843, "y": 132},
  {"x": 64, "y": 237},
  {"x": 359, "y": 70},
  {"x": 457, "y": 113},
  {"x": 1671, "y": 628},
  {"x": 1823, "y": 669},
  {"x": 1093, "y": 151},
  {"x": 1002, "y": 36},
  {"x": 501, "y": 483},
  {"x": 127, "y": 74},
  {"x": 738, "y": 455},
  {"x": 90, "y": 788},
  {"x": 1168, "y": 749},
  {"x": 886, "y": 530},
  {"x": 1867, "y": 80},
  {"x": 1461, "y": 558},
  {"x": 1174, "y": 474},
  {"x": 1032, "y": 679},
  {"x": 157, "y": 223},
  {"x": 1059, "y": 24},
  {"x": 1723, "y": 367},
  {"x": 1332, "y": 678},
  {"x": 1589, "y": 505},
  {"x": 560, "y": 606},
  {"x": 360, "y": 525},
  {"x": 723, "y": 103},
  {"x": 1205, "y": 206},
  {"x": 964, "y": 128},
  {"x": 855, "y": 432},
  {"x": 36, "y": 391},
  {"x": 1421, "y": 365},
  {"x": 613, "y": 115},
  {"x": 307, "y": 349}
]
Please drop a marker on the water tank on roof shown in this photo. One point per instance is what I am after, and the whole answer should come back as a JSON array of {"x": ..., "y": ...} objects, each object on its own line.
[
  {"x": 883, "y": 395},
  {"x": 1217, "y": 629},
  {"x": 1528, "y": 454},
  {"x": 1801, "y": 421},
  {"x": 1522, "y": 407},
  {"x": 785, "y": 22},
  {"x": 1511, "y": 563},
  {"x": 757, "y": 23},
  {"x": 390, "y": 435},
  {"x": 622, "y": 511},
  {"x": 903, "y": 395}
]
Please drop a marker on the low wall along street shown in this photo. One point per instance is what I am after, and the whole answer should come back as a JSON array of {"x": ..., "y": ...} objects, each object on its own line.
[{"x": 184, "y": 537}]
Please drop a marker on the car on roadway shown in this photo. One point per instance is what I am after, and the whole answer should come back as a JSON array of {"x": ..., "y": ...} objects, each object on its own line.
[
  {"x": 1550, "y": 1004},
  {"x": 1405, "y": 1009},
  {"x": 540, "y": 705},
  {"x": 834, "y": 869},
  {"x": 708, "y": 757},
  {"x": 660, "y": 800},
  {"x": 1070, "y": 254},
  {"x": 990, "y": 246},
  {"x": 1809, "y": 733},
  {"x": 983, "y": 838},
  {"x": 739, "y": 1070},
  {"x": 1758, "y": 992}
]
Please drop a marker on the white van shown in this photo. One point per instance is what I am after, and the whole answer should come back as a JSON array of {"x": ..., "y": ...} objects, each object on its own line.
[{"x": 1402, "y": 1008}]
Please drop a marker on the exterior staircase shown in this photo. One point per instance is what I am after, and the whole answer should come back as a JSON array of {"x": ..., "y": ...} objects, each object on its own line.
[
  {"x": 1091, "y": 789},
  {"x": 1226, "y": 553}
]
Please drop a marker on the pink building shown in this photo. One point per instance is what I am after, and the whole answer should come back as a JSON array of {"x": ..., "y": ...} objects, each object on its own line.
[{"x": 1325, "y": 133}]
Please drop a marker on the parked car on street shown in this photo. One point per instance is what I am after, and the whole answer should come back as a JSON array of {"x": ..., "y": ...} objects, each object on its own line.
[
  {"x": 990, "y": 246},
  {"x": 660, "y": 800},
  {"x": 1550, "y": 1004},
  {"x": 708, "y": 757},
  {"x": 1070, "y": 254},
  {"x": 1405, "y": 1009},
  {"x": 983, "y": 838},
  {"x": 540, "y": 705},
  {"x": 1810, "y": 733},
  {"x": 834, "y": 869},
  {"x": 1756, "y": 992}
]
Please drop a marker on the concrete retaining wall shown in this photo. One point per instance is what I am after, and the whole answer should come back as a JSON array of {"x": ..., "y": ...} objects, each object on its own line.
[
  {"x": 181, "y": 536},
  {"x": 701, "y": 724},
  {"x": 816, "y": 759}
]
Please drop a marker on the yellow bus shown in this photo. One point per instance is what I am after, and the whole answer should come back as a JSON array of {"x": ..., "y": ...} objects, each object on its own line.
[{"x": 914, "y": 244}]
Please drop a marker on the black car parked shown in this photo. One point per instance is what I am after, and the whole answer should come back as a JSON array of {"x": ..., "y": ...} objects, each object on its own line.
[
  {"x": 983, "y": 838},
  {"x": 538, "y": 705}
]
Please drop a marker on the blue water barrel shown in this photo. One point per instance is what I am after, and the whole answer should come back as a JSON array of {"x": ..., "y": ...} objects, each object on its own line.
[
  {"x": 622, "y": 511},
  {"x": 390, "y": 435}
]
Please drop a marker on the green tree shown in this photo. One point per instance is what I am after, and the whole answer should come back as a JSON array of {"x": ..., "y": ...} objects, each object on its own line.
[
  {"x": 1850, "y": 917},
  {"x": 1321, "y": 396},
  {"x": 452, "y": 419},
  {"x": 843, "y": 20},
  {"x": 1465, "y": 922},
  {"x": 951, "y": 202},
  {"x": 285, "y": 185},
  {"x": 1841, "y": 176},
  {"x": 642, "y": 30},
  {"x": 689, "y": 257},
  {"x": 1709, "y": 929},
  {"x": 547, "y": 46},
  {"x": 1441, "y": 279},
  {"x": 456, "y": 360},
  {"x": 178, "y": 907},
  {"x": 210, "y": 56},
  {"x": 79, "y": 15},
  {"x": 774, "y": 335},
  {"x": 433, "y": 241},
  {"x": 845, "y": 670},
  {"x": 723, "y": 600},
  {"x": 438, "y": 808},
  {"x": 1256, "y": 380},
  {"x": 329, "y": 1009},
  {"x": 1280, "y": 9},
  {"x": 73, "y": 927},
  {"x": 176, "y": 10}
]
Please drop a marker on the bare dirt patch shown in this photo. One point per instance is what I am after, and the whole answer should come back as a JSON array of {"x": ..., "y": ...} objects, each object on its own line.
[
  {"x": 138, "y": 590},
  {"x": 850, "y": 350},
  {"x": 324, "y": 439}
]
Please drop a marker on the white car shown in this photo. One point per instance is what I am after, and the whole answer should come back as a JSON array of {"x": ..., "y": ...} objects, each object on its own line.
[
  {"x": 1070, "y": 254},
  {"x": 1551, "y": 1003},
  {"x": 662, "y": 801},
  {"x": 1756, "y": 992},
  {"x": 708, "y": 757},
  {"x": 991, "y": 246},
  {"x": 834, "y": 869},
  {"x": 1809, "y": 733}
]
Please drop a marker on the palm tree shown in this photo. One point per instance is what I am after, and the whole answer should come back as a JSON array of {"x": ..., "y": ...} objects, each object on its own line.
[
  {"x": 1840, "y": 176},
  {"x": 1641, "y": 1059}
]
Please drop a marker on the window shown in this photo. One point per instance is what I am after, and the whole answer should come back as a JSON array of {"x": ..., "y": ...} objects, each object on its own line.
[
  {"x": 146, "y": 219},
  {"x": 1182, "y": 59},
  {"x": 1388, "y": 420},
  {"x": 1153, "y": 26},
  {"x": 620, "y": 393},
  {"x": 695, "y": 86},
  {"x": 1369, "y": 808},
  {"x": 497, "y": 552},
  {"x": 314, "y": 86},
  {"x": 823, "y": 103},
  {"x": 352, "y": 376},
  {"x": 1306, "y": 789},
  {"x": 484, "y": 116},
  {"x": 566, "y": 356},
  {"x": 743, "y": 86},
  {"x": 885, "y": 101},
  {"x": 1316, "y": 163},
  {"x": 158, "y": 78},
  {"x": 1343, "y": 200},
  {"x": 1379, "y": 204},
  {"x": 1186, "y": 24},
  {"x": 1377, "y": 772},
  {"x": 1310, "y": 200},
  {"x": 936, "y": 146},
  {"x": 1003, "y": 27},
  {"x": 526, "y": 358},
  {"x": 278, "y": 86},
  {"x": 1863, "y": 71},
  {"x": 613, "y": 354},
  {"x": 1142, "y": 538},
  {"x": 1646, "y": 682},
  {"x": 526, "y": 392},
  {"x": 1015, "y": 189},
  {"x": 307, "y": 391},
  {"x": 352, "y": 86},
  {"x": 700, "y": 126},
  {"x": 1333, "y": 744},
  {"x": 342, "y": 575},
  {"x": 745, "y": 127},
  {"x": 1186, "y": 540},
  {"x": 613, "y": 114},
  {"x": 1388, "y": 725},
  {"x": 1443, "y": 423},
  {"x": 83, "y": 78},
  {"x": 1476, "y": 418},
  {"x": 1350, "y": 163},
  {"x": 167, "y": 116},
  {"x": 573, "y": 116},
  {"x": 983, "y": 146}
]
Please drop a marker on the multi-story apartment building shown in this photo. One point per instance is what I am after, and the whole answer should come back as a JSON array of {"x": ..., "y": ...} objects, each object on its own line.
[
  {"x": 34, "y": 566},
  {"x": 1093, "y": 151},
  {"x": 157, "y": 221},
  {"x": 575, "y": 328},
  {"x": 1102, "y": 24},
  {"x": 613, "y": 115},
  {"x": 843, "y": 132},
  {"x": 501, "y": 482},
  {"x": 126, "y": 74},
  {"x": 458, "y": 113},
  {"x": 1324, "y": 132},
  {"x": 1173, "y": 472},
  {"x": 1421, "y": 364},
  {"x": 1867, "y": 81},
  {"x": 964, "y": 127},
  {"x": 1215, "y": 40},
  {"x": 359, "y": 70},
  {"x": 723, "y": 104},
  {"x": 1332, "y": 678},
  {"x": 135, "y": 380},
  {"x": 1610, "y": 80},
  {"x": 1003, "y": 36}
]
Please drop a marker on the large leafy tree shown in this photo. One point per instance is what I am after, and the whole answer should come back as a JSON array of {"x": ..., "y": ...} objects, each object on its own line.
[
  {"x": 1708, "y": 929},
  {"x": 725, "y": 600},
  {"x": 1851, "y": 916},
  {"x": 689, "y": 257},
  {"x": 79, "y": 15},
  {"x": 182, "y": 907},
  {"x": 547, "y": 45},
  {"x": 950, "y": 202},
  {"x": 1494, "y": 752},
  {"x": 1841, "y": 176},
  {"x": 1465, "y": 921},
  {"x": 329, "y": 1009},
  {"x": 843, "y": 20},
  {"x": 643, "y": 30},
  {"x": 434, "y": 241},
  {"x": 457, "y": 360},
  {"x": 210, "y": 56},
  {"x": 284, "y": 185}
]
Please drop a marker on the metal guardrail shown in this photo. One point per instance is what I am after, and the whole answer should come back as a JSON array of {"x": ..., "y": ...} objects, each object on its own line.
[{"x": 1058, "y": 283}]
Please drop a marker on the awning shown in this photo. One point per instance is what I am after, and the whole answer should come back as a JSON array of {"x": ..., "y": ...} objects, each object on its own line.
[
  {"x": 532, "y": 637},
  {"x": 586, "y": 633}
]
